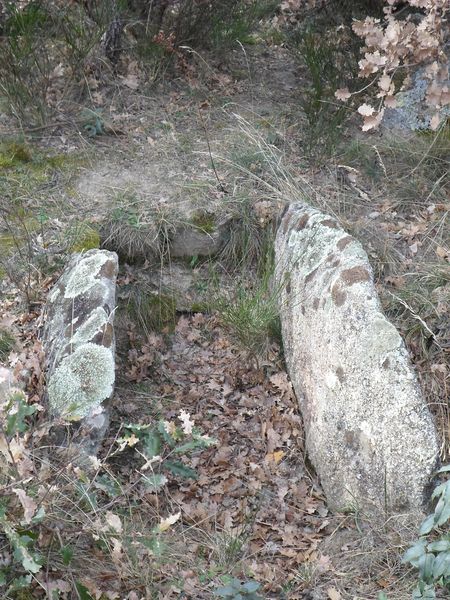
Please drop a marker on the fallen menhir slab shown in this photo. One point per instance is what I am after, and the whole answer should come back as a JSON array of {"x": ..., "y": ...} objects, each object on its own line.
[
  {"x": 79, "y": 345},
  {"x": 369, "y": 432}
]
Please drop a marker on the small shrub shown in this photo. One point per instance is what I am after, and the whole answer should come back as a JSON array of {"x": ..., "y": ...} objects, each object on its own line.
[
  {"x": 163, "y": 444},
  {"x": 251, "y": 312},
  {"x": 218, "y": 24},
  {"x": 432, "y": 558},
  {"x": 330, "y": 62}
]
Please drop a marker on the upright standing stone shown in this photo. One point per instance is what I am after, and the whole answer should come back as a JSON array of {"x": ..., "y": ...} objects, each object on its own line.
[
  {"x": 78, "y": 340},
  {"x": 369, "y": 432}
]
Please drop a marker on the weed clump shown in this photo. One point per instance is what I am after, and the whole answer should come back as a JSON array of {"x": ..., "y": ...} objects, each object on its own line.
[
  {"x": 204, "y": 221},
  {"x": 7, "y": 343},
  {"x": 251, "y": 312},
  {"x": 132, "y": 238},
  {"x": 12, "y": 153}
]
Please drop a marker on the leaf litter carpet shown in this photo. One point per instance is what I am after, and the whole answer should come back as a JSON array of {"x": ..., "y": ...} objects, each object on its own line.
[{"x": 254, "y": 508}]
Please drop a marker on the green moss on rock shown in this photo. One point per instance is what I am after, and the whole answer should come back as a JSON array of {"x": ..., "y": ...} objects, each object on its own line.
[{"x": 82, "y": 381}]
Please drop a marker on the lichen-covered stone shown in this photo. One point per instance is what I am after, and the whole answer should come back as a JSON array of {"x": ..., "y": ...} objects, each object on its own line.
[
  {"x": 79, "y": 344},
  {"x": 369, "y": 432},
  {"x": 82, "y": 381},
  {"x": 84, "y": 274}
]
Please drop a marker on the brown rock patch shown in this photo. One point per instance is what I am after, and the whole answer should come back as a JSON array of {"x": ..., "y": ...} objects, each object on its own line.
[
  {"x": 286, "y": 221},
  {"x": 330, "y": 223},
  {"x": 311, "y": 275},
  {"x": 302, "y": 222},
  {"x": 338, "y": 294},
  {"x": 344, "y": 242},
  {"x": 355, "y": 275}
]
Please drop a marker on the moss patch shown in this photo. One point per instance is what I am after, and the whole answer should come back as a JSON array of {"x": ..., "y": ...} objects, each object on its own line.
[
  {"x": 205, "y": 221},
  {"x": 25, "y": 169},
  {"x": 153, "y": 312},
  {"x": 84, "y": 238},
  {"x": 13, "y": 153}
]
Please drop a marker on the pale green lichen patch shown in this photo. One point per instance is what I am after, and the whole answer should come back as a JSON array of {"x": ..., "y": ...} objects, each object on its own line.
[
  {"x": 53, "y": 294},
  {"x": 82, "y": 381},
  {"x": 96, "y": 320},
  {"x": 84, "y": 274}
]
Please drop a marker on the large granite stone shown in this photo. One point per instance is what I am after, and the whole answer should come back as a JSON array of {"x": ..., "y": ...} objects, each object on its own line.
[
  {"x": 369, "y": 432},
  {"x": 79, "y": 344}
]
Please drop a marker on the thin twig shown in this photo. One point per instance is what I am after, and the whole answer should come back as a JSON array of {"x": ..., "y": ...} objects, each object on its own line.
[{"x": 221, "y": 186}]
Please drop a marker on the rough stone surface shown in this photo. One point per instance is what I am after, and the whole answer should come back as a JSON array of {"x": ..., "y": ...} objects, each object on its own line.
[
  {"x": 412, "y": 112},
  {"x": 369, "y": 432},
  {"x": 190, "y": 240},
  {"x": 79, "y": 344}
]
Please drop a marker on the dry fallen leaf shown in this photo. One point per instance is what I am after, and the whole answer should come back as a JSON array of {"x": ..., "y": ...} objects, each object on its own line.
[
  {"x": 442, "y": 252},
  {"x": 113, "y": 521},
  {"x": 342, "y": 94},
  {"x": 29, "y": 505},
  {"x": 366, "y": 110},
  {"x": 333, "y": 594},
  {"x": 275, "y": 457},
  {"x": 166, "y": 523}
]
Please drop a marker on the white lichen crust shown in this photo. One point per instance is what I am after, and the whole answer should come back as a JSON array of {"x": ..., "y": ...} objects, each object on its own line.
[
  {"x": 96, "y": 320},
  {"x": 82, "y": 381},
  {"x": 84, "y": 273}
]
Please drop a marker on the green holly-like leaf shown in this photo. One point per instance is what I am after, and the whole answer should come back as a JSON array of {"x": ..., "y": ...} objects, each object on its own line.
[
  {"x": 83, "y": 592},
  {"x": 17, "y": 411},
  {"x": 178, "y": 468}
]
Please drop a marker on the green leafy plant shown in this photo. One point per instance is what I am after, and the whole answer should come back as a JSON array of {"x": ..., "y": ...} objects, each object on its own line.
[
  {"x": 18, "y": 530},
  {"x": 237, "y": 590},
  {"x": 432, "y": 558},
  {"x": 162, "y": 445},
  {"x": 92, "y": 122}
]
